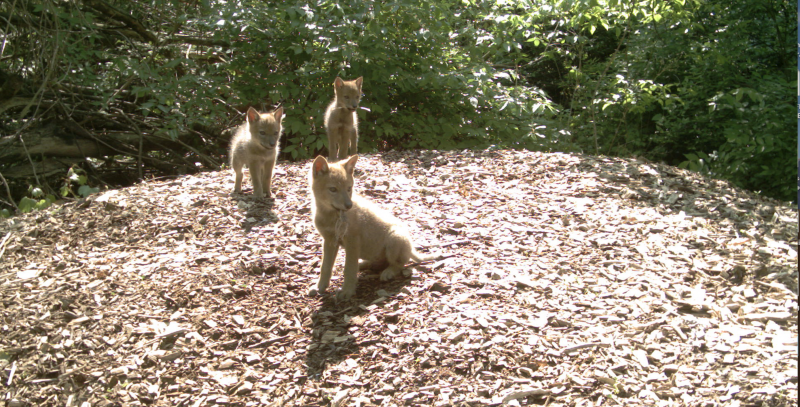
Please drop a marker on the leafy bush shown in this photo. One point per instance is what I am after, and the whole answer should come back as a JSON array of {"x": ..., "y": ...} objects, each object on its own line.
[
  {"x": 704, "y": 84},
  {"x": 426, "y": 82},
  {"x": 36, "y": 201},
  {"x": 77, "y": 177}
]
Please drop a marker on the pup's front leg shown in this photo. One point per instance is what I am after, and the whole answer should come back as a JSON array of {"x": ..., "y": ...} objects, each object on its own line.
[
  {"x": 351, "y": 253},
  {"x": 237, "y": 186},
  {"x": 353, "y": 136},
  {"x": 266, "y": 178},
  {"x": 333, "y": 143},
  {"x": 256, "y": 173},
  {"x": 329, "y": 250}
]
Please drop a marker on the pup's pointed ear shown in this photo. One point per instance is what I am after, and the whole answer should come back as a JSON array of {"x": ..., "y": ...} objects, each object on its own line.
[
  {"x": 252, "y": 115},
  {"x": 319, "y": 166},
  {"x": 350, "y": 165},
  {"x": 359, "y": 81},
  {"x": 278, "y": 113},
  {"x": 338, "y": 83}
]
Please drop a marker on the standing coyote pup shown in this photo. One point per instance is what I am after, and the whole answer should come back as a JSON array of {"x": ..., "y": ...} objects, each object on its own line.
[
  {"x": 341, "y": 122},
  {"x": 256, "y": 145},
  {"x": 365, "y": 231}
]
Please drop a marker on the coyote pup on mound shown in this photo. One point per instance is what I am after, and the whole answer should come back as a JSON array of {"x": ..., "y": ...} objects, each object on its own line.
[
  {"x": 366, "y": 232},
  {"x": 256, "y": 145},
  {"x": 341, "y": 121}
]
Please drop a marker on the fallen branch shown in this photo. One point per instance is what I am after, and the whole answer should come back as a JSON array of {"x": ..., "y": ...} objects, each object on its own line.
[
  {"x": 567, "y": 351},
  {"x": 131, "y": 22},
  {"x": 428, "y": 261}
]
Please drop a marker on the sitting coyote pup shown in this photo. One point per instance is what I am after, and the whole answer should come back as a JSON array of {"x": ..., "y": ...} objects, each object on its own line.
[
  {"x": 365, "y": 231},
  {"x": 256, "y": 144},
  {"x": 341, "y": 122}
]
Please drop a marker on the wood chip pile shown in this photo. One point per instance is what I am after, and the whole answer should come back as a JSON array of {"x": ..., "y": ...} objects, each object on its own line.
[{"x": 576, "y": 281}]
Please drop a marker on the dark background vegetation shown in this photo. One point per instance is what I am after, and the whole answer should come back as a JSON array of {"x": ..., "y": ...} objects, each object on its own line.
[{"x": 98, "y": 93}]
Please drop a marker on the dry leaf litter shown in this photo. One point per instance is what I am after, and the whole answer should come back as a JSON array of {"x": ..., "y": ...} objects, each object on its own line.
[{"x": 576, "y": 281}]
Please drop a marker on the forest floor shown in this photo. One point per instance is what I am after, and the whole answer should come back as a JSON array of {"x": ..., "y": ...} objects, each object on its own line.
[{"x": 576, "y": 281}]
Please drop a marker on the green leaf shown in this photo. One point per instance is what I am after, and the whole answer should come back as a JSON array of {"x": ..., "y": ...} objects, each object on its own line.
[
  {"x": 26, "y": 204},
  {"x": 42, "y": 204}
]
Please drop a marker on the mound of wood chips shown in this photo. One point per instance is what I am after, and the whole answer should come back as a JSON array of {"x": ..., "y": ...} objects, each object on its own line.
[{"x": 577, "y": 281}]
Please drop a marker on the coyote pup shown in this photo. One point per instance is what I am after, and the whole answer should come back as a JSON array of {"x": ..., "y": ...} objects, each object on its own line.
[
  {"x": 365, "y": 231},
  {"x": 341, "y": 121},
  {"x": 256, "y": 145}
]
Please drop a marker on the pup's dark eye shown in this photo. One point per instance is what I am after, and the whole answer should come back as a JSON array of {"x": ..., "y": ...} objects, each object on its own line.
[
  {"x": 332, "y": 189},
  {"x": 262, "y": 132}
]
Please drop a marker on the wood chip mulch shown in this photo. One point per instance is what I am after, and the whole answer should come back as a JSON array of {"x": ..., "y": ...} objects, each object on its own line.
[{"x": 576, "y": 281}]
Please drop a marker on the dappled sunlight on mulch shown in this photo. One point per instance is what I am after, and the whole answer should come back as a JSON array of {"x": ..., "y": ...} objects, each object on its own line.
[{"x": 577, "y": 280}]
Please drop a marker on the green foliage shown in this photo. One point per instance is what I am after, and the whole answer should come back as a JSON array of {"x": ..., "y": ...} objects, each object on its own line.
[
  {"x": 704, "y": 84},
  {"x": 37, "y": 200},
  {"x": 76, "y": 176},
  {"x": 425, "y": 82},
  {"x": 757, "y": 151},
  {"x": 734, "y": 77},
  {"x": 709, "y": 81}
]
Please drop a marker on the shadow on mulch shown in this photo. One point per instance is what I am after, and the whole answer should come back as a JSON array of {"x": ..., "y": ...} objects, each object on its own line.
[
  {"x": 260, "y": 209},
  {"x": 326, "y": 352}
]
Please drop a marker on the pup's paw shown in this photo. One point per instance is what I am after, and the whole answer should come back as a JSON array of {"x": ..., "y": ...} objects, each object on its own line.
[
  {"x": 388, "y": 274},
  {"x": 313, "y": 291},
  {"x": 344, "y": 295}
]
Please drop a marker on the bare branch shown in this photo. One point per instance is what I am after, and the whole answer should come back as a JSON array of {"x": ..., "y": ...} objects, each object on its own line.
[{"x": 131, "y": 22}]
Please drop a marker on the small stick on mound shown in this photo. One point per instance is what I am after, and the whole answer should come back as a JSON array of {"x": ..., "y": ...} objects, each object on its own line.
[
  {"x": 426, "y": 259},
  {"x": 445, "y": 244},
  {"x": 430, "y": 260}
]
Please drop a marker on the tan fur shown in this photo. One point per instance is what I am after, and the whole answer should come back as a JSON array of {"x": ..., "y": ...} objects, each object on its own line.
[
  {"x": 346, "y": 219},
  {"x": 255, "y": 144},
  {"x": 341, "y": 121}
]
